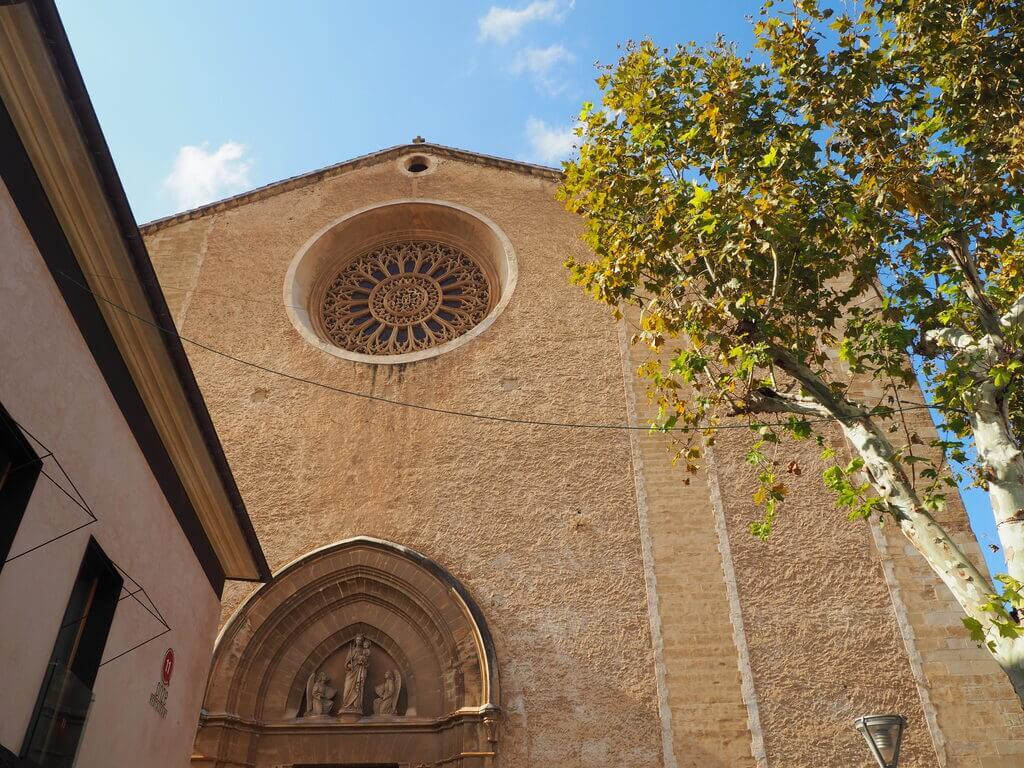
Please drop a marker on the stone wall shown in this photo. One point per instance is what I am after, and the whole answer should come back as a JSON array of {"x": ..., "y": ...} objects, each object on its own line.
[
  {"x": 539, "y": 523},
  {"x": 635, "y": 619},
  {"x": 712, "y": 714}
]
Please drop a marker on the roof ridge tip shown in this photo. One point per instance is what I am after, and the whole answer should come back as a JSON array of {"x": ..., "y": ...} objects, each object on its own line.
[{"x": 292, "y": 182}]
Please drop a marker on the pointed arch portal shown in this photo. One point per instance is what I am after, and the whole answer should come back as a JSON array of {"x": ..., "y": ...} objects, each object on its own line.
[{"x": 404, "y": 661}]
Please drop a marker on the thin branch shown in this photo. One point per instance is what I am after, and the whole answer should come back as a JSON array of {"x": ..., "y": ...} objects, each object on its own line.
[
  {"x": 906, "y": 432},
  {"x": 1015, "y": 315},
  {"x": 775, "y": 273},
  {"x": 950, "y": 339},
  {"x": 960, "y": 251},
  {"x": 767, "y": 400}
]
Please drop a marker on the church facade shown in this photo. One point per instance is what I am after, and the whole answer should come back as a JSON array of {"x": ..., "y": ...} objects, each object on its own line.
[{"x": 475, "y": 566}]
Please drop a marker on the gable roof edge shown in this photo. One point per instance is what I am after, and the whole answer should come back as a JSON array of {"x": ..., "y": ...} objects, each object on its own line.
[
  {"x": 311, "y": 177},
  {"x": 67, "y": 188}
]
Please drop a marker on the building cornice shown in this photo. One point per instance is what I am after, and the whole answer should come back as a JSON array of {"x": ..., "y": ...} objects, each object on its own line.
[
  {"x": 49, "y": 110},
  {"x": 374, "y": 158}
]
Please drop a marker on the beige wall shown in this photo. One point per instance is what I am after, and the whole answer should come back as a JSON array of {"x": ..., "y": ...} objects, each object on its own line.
[
  {"x": 50, "y": 383},
  {"x": 751, "y": 653},
  {"x": 538, "y": 523}
]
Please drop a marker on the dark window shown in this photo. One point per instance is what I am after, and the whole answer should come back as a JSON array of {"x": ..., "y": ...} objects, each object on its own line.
[
  {"x": 63, "y": 704},
  {"x": 19, "y": 468}
]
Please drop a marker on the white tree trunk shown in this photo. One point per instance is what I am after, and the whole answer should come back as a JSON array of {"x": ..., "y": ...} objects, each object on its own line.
[
  {"x": 967, "y": 584},
  {"x": 1000, "y": 455},
  {"x": 965, "y": 581},
  {"x": 999, "y": 452},
  {"x": 970, "y": 588}
]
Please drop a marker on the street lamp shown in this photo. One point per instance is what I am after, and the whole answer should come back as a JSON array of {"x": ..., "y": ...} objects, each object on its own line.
[{"x": 883, "y": 734}]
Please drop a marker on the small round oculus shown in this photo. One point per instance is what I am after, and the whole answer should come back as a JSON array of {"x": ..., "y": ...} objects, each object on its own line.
[{"x": 404, "y": 297}]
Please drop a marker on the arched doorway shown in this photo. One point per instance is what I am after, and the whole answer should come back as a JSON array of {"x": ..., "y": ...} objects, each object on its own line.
[{"x": 359, "y": 653}]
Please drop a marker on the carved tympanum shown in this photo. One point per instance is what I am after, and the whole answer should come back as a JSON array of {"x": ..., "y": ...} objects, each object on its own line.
[
  {"x": 404, "y": 297},
  {"x": 342, "y": 617}
]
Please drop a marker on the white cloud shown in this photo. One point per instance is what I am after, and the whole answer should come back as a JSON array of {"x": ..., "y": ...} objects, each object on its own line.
[
  {"x": 200, "y": 176},
  {"x": 548, "y": 143},
  {"x": 541, "y": 65},
  {"x": 502, "y": 24}
]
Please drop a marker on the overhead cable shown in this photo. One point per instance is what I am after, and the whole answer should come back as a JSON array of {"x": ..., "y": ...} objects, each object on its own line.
[{"x": 446, "y": 411}]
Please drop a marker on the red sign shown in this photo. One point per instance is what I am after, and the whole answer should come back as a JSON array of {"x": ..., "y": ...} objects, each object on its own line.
[{"x": 168, "y": 667}]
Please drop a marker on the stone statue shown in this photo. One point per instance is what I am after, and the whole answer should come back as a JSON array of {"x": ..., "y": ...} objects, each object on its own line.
[
  {"x": 319, "y": 695},
  {"x": 356, "y": 666},
  {"x": 386, "y": 702},
  {"x": 364, "y": 666}
]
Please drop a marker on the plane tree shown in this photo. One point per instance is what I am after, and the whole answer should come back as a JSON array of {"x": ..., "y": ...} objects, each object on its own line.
[{"x": 845, "y": 204}]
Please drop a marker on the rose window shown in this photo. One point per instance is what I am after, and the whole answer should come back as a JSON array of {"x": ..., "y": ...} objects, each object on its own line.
[{"x": 404, "y": 297}]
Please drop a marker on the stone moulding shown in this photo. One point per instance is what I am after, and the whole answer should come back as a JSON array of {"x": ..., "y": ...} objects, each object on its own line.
[
  {"x": 399, "y": 152},
  {"x": 421, "y": 622},
  {"x": 345, "y": 239}
]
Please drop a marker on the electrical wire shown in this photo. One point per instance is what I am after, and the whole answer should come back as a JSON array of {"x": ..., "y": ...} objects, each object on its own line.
[
  {"x": 155, "y": 613},
  {"x": 182, "y": 289},
  {"x": 445, "y": 411}
]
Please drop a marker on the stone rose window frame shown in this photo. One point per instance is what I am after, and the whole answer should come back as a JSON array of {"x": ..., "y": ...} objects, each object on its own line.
[{"x": 400, "y": 281}]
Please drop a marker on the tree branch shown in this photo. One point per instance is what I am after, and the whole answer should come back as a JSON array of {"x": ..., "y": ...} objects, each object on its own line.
[
  {"x": 768, "y": 400},
  {"x": 886, "y": 474},
  {"x": 960, "y": 251},
  {"x": 983, "y": 354},
  {"x": 1015, "y": 316},
  {"x": 951, "y": 338},
  {"x": 818, "y": 391}
]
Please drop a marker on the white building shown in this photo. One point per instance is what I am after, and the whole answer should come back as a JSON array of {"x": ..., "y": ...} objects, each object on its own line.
[{"x": 119, "y": 517}]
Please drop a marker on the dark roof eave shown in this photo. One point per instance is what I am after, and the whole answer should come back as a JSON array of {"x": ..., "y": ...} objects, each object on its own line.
[{"x": 78, "y": 98}]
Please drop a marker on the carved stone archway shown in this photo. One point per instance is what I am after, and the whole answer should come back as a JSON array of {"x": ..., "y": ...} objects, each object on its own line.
[{"x": 415, "y": 622}]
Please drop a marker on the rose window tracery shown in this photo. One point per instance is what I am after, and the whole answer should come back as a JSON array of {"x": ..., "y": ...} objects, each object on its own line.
[{"x": 404, "y": 297}]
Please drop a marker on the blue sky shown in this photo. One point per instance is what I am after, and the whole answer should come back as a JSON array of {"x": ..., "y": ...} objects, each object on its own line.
[
  {"x": 291, "y": 87},
  {"x": 203, "y": 99}
]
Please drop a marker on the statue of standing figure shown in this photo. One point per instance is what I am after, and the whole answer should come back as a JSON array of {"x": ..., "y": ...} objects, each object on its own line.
[
  {"x": 356, "y": 666},
  {"x": 319, "y": 695},
  {"x": 386, "y": 702}
]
